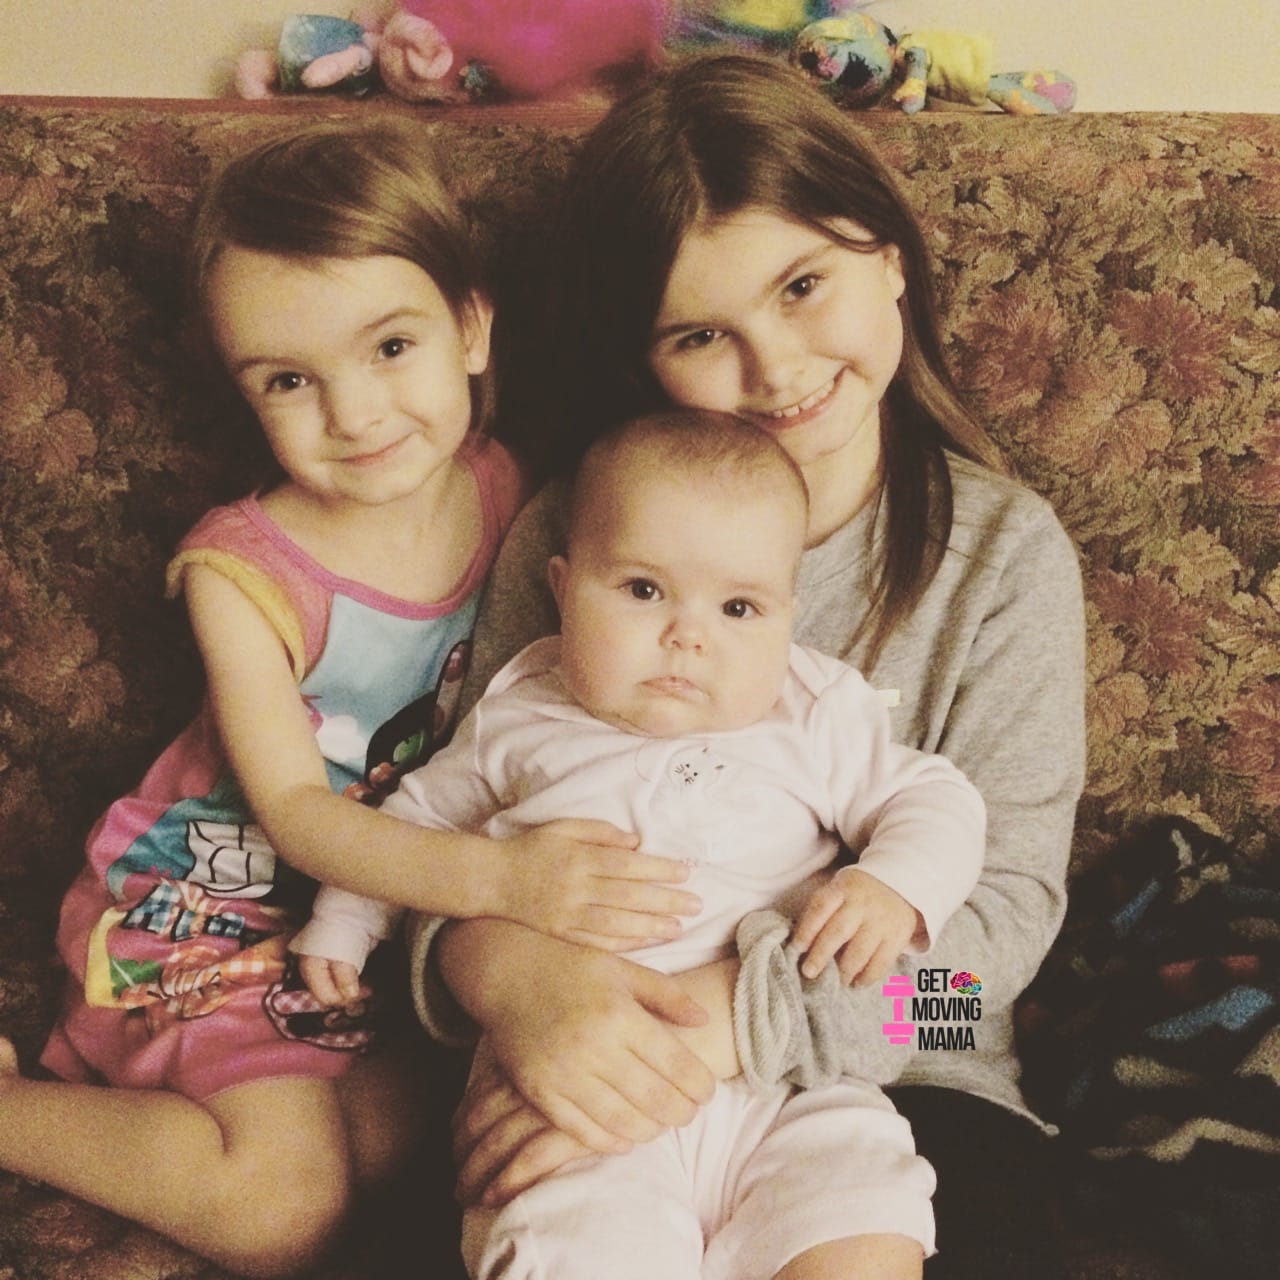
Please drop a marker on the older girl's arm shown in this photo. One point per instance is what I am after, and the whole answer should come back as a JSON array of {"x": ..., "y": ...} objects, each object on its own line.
[
  {"x": 1016, "y": 728},
  {"x": 591, "y": 1039}
]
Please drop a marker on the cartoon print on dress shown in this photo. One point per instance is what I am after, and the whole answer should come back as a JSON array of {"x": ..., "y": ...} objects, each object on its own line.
[
  {"x": 177, "y": 909},
  {"x": 162, "y": 844},
  {"x": 230, "y": 860},
  {"x": 206, "y": 839},
  {"x": 380, "y": 676},
  {"x": 204, "y": 909},
  {"x": 198, "y": 980},
  {"x": 213, "y": 956},
  {"x": 208, "y": 923},
  {"x": 297, "y": 1015},
  {"x": 414, "y": 733}
]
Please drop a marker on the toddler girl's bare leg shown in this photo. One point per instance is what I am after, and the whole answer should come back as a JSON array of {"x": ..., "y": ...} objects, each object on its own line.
[
  {"x": 256, "y": 1178},
  {"x": 878, "y": 1257},
  {"x": 384, "y": 1100}
]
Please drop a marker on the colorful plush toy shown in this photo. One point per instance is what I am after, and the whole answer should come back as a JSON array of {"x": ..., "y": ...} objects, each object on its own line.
[
  {"x": 858, "y": 59},
  {"x": 460, "y": 50},
  {"x": 315, "y": 52},
  {"x": 755, "y": 26}
]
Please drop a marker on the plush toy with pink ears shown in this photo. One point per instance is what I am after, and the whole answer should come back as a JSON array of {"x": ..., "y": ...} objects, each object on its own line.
[{"x": 315, "y": 52}]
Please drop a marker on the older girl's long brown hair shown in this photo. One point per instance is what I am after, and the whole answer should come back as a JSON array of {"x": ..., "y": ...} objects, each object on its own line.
[{"x": 706, "y": 138}]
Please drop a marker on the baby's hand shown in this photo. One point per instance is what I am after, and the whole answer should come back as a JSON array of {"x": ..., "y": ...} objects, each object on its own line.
[
  {"x": 858, "y": 920},
  {"x": 334, "y": 983},
  {"x": 583, "y": 881}
]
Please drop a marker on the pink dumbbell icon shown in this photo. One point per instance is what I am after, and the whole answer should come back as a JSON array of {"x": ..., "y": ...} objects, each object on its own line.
[{"x": 899, "y": 989}]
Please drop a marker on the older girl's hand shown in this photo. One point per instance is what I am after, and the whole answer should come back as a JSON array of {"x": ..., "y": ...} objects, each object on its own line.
[
  {"x": 501, "y": 1144},
  {"x": 590, "y": 1039}
]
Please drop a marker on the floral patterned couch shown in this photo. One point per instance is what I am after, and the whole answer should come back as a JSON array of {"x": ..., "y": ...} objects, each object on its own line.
[{"x": 1110, "y": 287}]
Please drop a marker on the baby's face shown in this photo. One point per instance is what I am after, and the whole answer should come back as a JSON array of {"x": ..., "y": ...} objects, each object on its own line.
[{"x": 676, "y": 603}]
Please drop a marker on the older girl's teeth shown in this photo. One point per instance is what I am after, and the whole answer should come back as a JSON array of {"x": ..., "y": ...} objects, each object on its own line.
[{"x": 807, "y": 403}]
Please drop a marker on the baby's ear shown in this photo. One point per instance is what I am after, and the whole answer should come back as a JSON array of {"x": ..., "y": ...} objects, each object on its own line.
[{"x": 557, "y": 572}]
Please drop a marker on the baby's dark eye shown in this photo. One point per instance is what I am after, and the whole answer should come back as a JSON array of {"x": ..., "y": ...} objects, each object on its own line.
[
  {"x": 393, "y": 347},
  {"x": 643, "y": 589},
  {"x": 739, "y": 609}
]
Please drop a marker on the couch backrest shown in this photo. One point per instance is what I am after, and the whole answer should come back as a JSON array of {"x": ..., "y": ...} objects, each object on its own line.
[{"x": 1109, "y": 287}]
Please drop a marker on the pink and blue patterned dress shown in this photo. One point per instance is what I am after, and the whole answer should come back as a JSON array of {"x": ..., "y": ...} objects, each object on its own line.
[{"x": 176, "y": 933}]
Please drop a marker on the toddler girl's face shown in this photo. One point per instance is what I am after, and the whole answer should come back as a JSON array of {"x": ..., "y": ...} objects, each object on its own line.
[
  {"x": 676, "y": 602},
  {"x": 356, "y": 368},
  {"x": 773, "y": 320}
]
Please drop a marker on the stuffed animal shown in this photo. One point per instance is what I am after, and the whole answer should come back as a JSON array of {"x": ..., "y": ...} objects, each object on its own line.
[
  {"x": 339, "y": 55},
  {"x": 315, "y": 52},
  {"x": 461, "y": 50},
  {"x": 754, "y": 26},
  {"x": 416, "y": 63},
  {"x": 537, "y": 48},
  {"x": 858, "y": 59},
  {"x": 853, "y": 57}
]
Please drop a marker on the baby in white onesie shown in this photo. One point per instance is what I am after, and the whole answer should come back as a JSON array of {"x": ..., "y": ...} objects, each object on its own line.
[{"x": 674, "y": 705}]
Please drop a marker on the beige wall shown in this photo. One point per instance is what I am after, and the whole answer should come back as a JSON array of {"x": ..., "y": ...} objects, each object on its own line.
[
  {"x": 1124, "y": 54},
  {"x": 140, "y": 48}
]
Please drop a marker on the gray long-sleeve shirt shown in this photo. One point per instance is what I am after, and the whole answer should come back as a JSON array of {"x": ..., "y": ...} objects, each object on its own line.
[{"x": 989, "y": 671}]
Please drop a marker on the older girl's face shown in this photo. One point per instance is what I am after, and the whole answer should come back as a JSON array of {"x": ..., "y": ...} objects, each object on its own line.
[{"x": 769, "y": 318}]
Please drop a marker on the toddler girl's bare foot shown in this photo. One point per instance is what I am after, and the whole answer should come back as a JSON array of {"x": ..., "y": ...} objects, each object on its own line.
[{"x": 8, "y": 1060}]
